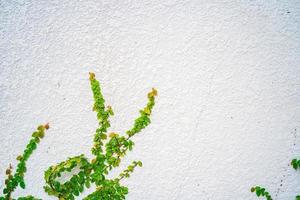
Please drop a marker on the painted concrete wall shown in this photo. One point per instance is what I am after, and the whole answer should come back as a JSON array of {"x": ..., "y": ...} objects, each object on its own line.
[{"x": 228, "y": 76}]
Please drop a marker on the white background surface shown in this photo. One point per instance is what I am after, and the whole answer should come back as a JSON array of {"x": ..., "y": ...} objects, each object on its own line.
[{"x": 228, "y": 77}]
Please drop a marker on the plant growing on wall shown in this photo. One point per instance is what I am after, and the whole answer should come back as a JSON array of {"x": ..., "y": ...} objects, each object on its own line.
[
  {"x": 262, "y": 192},
  {"x": 108, "y": 149}
]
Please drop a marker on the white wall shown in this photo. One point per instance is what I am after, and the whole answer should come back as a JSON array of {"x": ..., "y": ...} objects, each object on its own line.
[{"x": 228, "y": 76}]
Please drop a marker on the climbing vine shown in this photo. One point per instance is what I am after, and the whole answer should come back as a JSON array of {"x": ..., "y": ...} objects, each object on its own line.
[
  {"x": 108, "y": 150},
  {"x": 262, "y": 192},
  {"x": 16, "y": 179}
]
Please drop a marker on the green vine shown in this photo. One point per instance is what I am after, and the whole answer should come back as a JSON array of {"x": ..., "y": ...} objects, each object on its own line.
[
  {"x": 17, "y": 179},
  {"x": 108, "y": 149},
  {"x": 262, "y": 192}
]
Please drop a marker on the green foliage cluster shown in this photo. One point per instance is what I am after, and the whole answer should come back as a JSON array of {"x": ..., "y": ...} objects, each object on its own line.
[
  {"x": 261, "y": 192},
  {"x": 295, "y": 164},
  {"x": 108, "y": 149},
  {"x": 75, "y": 185},
  {"x": 17, "y": 179}
]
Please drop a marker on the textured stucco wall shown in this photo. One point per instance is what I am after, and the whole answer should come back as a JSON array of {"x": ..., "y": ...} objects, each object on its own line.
[{"x": 228, "y": 75}]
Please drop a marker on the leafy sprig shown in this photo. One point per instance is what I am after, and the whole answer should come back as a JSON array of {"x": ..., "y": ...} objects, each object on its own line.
[
  {"x": 126, "y": 173},
  {"x": 261, "y": 192},
  {"x": 17, "y": 179}
]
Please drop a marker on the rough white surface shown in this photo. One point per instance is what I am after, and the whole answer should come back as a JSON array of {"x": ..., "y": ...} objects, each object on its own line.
[{"x": 228, "y": 77}]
